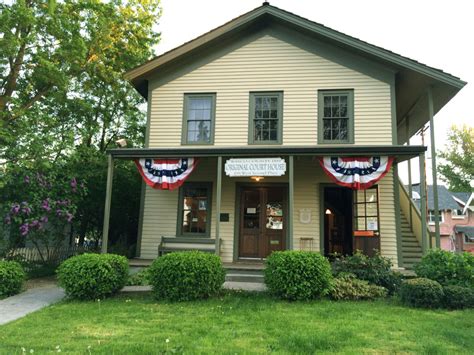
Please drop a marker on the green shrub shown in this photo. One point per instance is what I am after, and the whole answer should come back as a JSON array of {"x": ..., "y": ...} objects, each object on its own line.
[
  {"x": 458, "y": 297},
  {"x": 184, "y": 276},
  {"x": 376, "y": 270},
  {"x": 93, "y": 276},
  {"x": 298, "y": 275},
  {"x": 141, "y": 278},
  {"x": 12, "y": 277},
  {"x": 447, "y": 268},
  {"x": 348, "y": 287},
  {"x": 421, "y": 292}
]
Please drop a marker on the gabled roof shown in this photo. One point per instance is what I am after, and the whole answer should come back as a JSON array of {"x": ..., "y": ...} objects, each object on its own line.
[
  {"x": 412, "y": 78},
  {"x": 446, "y": 199},
  {"x": 462, "y": 197}
]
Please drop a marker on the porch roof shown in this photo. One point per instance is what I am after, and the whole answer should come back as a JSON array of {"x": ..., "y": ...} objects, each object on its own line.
[{"x": 400, "y": 152}]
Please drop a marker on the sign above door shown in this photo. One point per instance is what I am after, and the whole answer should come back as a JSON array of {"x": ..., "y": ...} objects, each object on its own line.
[{"x": 255, "y": 167}]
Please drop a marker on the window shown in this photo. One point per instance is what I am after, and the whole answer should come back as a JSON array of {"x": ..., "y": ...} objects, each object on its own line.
[
  {"x": 431, "y": 217},
  {"x": 198, "y": 120},
  {"x": 266, "y": 111},
  {"x": 468, "y": 239},
  {"x": 458, "y": 214},
  {"x": 194, "y": 210},
  {"x": 366, "y": 209},
  {"x": 336, "y": 116}
]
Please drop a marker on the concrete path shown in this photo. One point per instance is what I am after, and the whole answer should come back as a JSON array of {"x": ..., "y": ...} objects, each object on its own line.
[
  {"x": 230, "y": 285},
  {"x": 33, "y": 299}
]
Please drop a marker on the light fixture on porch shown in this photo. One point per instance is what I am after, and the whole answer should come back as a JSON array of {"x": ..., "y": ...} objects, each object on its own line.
[
  {"x": 328, "y": 211},
  {"x": 257, "y": 178}
]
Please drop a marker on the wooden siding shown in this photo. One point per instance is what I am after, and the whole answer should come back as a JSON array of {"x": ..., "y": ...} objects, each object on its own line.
[
  {"x": 271, "y": 64},
  {"x": 161, "y": 208}
]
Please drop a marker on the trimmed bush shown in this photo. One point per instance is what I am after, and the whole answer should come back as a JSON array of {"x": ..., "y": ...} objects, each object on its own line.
[
  {"x": 376, "y": 270},
  {"x": 348, "y": 287},
  {"x": 298, "y": 275},
  {"x": 141, "y": 278},
  {"x": 458, "y": 297},
  {"x": 421, "y": 292},
  {"x": 183, "y": 276},
  {"x": 93, "y": 276},
  {"x": 447, "y": 268},
  {"x": 12, "y": 277}
]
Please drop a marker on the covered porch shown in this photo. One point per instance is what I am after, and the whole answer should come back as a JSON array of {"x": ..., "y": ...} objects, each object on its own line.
[{"x": 301, "y": 189}]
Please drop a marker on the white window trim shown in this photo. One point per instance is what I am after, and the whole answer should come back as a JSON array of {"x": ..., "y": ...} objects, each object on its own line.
[
  {"x": 458, "y": 216},
  {"x": 431, "y": 213}
]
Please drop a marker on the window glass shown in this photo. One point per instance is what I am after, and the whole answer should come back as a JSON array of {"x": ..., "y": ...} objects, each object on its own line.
[
  {"x": 366, "y": 209},
  {"x": 335, "y": 116},
  {"x": 265, "y": 117},
  {"x": 194, "y": 209},
  {"x": 199, "y": 118}
]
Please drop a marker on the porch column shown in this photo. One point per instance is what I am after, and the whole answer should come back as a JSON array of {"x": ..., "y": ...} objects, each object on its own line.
[
  {"x": 433, "y": 166},
  {"x": 291, "y": 195},
  {"x": 396, "y": 190},
  {"x": 424, "y": 241},
  {"x": 410, "y": 186},
  {"x": 218, "y": 202},
  {"x": 108, "y": 200}
]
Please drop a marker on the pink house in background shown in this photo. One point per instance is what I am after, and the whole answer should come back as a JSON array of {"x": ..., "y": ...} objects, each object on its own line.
[{"x": 457, "y": 220}]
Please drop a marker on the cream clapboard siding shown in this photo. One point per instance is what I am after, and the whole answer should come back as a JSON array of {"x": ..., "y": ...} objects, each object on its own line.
[
  {"x": 161, "y": 208},
  {"x": 270, "y": 64}
]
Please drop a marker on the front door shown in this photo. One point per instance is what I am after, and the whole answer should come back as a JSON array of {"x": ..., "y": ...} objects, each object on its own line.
[{"x": 262, "y": 221}]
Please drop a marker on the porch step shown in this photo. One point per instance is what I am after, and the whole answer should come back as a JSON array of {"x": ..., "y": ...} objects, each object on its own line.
[
  {"x": 244, "y": 272},
  {"x": 241, "y": 277}
]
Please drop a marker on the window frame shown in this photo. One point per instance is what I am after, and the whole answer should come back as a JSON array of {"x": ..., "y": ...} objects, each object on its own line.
[
  {"x": 366, "y": 216},
  {"x": 431, "y": 214},
  {"x": 251, "y": 126},
  {"x": 179, "y": 222},
  {"x": 454, "y": 214},
  {"x": 184, "y": 131},
  {"x": 350, "y": 110}
]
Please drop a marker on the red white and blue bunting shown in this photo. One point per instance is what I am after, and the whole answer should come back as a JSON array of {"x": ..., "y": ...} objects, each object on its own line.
[
  {"x": 165, "y": 174},
  {"x": 358, "y": 173}
]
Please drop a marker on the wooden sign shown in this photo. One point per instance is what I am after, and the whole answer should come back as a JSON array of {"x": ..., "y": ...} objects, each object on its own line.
[{"x": 255, "y": 167}]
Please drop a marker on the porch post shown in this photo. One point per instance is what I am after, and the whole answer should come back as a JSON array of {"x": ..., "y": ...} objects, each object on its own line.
[
  {"x": 396, "y": 190},
  {"x": 433, "y": 167},
  {"x": 424, "y": 242},
  {"x": 218, "y": 202},
  {"x": 291, "y": 195},
  {"x": 108, "y": 200},
  {"x": 410, "y": 187}
]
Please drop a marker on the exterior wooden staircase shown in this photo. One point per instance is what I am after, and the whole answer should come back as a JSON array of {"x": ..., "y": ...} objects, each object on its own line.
[{"x": 411, "y": 249}]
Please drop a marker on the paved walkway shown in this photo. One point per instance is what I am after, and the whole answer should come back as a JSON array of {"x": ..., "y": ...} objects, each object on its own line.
[{"x": 40, "y": 295}]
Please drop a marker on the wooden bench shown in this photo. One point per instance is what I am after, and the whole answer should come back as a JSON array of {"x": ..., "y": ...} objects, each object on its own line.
[{"x": 171, "y": 244}]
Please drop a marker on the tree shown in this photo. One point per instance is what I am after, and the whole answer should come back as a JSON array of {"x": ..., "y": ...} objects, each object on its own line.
[{"x": 457, "y": 166}]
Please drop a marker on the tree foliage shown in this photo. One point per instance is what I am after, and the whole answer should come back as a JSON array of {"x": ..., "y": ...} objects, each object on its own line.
[
  {"x": 457, "y": 167},
  {"x": 64, "y": 101}
]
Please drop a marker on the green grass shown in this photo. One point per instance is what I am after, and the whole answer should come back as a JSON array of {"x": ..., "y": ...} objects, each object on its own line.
[{"x": 238, "y": 323}]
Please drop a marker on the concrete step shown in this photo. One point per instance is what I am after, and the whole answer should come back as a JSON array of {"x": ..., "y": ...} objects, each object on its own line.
[{"x": 244, "y": 277}]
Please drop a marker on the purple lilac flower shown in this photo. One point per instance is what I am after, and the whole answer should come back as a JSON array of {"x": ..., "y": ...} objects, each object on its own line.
[
  {"x": 59, "y": 212},
  {"x": 74, "y": 184},
  {"x": 27, "y": 179},
  {"x": 26, "y": 210},
  {"x": 24, "y": 229},
  {"x": 45, "y": 205},
  {"x": 44, "y": 219},
  {"x": 8, "y": 220},
  {"x": 15, "y": 208},
  {"x": 69, "y": 217},
  {"x": 34, "y": 223}
]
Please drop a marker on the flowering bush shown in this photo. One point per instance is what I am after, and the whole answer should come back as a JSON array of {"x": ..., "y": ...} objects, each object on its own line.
[{"x": 40, "y": 206}]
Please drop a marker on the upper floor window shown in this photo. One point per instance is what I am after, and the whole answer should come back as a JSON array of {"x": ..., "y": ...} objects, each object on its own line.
[
  {"x": 265, "y": 121},
  {"x": 458, "y": 214},
  {"x": 199, "y": 117},
  {"x": 336, "y": 116},
  {"x": 432, "y": 219}
]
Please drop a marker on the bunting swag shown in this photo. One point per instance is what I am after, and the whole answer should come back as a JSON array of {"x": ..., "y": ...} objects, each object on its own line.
[
  {"x": 165, "y": 174},
  {"x": 358, "y": 173}
]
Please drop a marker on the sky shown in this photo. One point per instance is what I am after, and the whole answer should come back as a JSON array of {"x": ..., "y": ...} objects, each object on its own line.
[{"x": 437, "y": 33}]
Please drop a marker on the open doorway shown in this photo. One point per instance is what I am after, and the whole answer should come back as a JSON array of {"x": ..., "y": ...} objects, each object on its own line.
[{"x": 338, "y": 220}]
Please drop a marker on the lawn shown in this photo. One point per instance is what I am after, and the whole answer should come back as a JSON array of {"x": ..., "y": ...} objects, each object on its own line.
[{"x": 237, "y": 323}]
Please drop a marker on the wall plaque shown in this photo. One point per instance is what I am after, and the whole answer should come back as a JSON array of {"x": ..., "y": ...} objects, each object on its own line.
[{"x": 255, "y": 167}]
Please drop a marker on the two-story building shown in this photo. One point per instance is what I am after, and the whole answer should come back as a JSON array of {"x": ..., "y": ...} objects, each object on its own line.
[{"x": 274, "y": 132}]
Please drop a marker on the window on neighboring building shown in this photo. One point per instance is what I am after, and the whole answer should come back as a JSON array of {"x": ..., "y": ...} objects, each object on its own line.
[
  {"x": 458, "y": 214},
  {"x": 198, "y": 120},
  {"x": 431, "y": 217},
  {"x": 266, "y": 115},
  {"x": 336, "y": 116},
  {"x": 194, "y": 209},
  {"x": 468, "y": 239}
]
